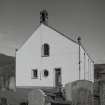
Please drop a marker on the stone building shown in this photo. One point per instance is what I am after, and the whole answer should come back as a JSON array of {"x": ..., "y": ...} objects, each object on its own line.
[{"x": 99, "y": 84}]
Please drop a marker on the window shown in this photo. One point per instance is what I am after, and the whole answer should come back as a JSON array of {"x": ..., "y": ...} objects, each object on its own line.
[
  {"x": 34, "y": 73},
  {"x": 45, "y": 50},
  {"x": 45, "y": 73}
]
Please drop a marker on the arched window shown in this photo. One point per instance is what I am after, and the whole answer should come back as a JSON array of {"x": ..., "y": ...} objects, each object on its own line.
[{"x": 45, "y": 50}]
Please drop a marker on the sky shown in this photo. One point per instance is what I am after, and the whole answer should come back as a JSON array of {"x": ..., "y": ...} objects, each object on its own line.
[{"x": 84, "y": 18}]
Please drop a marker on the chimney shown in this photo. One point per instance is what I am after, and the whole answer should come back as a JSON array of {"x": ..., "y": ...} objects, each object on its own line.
[{"x": 44, "y": 17}]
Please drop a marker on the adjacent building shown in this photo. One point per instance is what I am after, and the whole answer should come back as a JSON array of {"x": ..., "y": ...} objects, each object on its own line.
[{"x": 99, "y": 84}]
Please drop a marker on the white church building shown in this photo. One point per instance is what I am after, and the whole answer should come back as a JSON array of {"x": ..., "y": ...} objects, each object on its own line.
[{"x": 49, "y": 58}]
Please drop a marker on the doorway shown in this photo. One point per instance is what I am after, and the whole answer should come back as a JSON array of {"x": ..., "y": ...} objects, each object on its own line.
[{"x": 58, "y": 77}]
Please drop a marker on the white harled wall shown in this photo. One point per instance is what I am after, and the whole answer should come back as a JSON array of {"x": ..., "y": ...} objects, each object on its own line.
[
  {"x": 86, "y": 66},
  {"x": 64, "y": 54}
]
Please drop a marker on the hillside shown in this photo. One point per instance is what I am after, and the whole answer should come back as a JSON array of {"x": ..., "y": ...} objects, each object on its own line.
[
  {"x": 7, "y": 65},
  {"x": 5, "y": 60}
]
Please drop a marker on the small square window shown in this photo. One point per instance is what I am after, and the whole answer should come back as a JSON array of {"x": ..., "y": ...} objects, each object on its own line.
[{"x": 34, "y": 73}]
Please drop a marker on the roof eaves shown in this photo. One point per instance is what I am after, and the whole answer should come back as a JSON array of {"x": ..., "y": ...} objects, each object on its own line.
[
  {"x": 87, "y": 53},
  {"x": 27, "y": 38}
]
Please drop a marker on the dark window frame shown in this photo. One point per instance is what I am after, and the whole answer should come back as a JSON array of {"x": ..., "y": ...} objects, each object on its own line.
[
  {"x": 44, "y": 73},
  {"x": 45, "y": 50},
  {"x": 58, "y": 73},
  {"x": 34, "y": 73}
]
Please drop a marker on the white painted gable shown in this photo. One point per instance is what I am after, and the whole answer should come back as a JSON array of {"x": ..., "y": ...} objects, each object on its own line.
[{"x": 63, "y": 54}]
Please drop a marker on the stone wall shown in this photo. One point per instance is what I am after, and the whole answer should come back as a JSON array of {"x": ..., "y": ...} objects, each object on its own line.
[{"x": 102, "y": 92}]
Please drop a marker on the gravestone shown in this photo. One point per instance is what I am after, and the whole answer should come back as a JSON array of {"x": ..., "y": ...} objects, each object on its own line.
[{"x": 79, "y": 92}]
